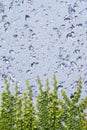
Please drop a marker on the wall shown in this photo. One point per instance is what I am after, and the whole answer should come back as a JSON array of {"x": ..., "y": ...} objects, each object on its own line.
[{"x": 42, "y": 37}]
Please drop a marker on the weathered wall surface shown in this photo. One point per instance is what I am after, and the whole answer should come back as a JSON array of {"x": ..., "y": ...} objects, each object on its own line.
[{"x": 42, "y": 37}]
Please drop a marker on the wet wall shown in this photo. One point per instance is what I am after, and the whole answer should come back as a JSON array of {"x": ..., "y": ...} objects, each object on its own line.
[{"x": 43, "y": 37}]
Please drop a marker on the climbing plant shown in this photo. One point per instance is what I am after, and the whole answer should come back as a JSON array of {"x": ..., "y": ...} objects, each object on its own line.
[{"x": 17, "y": 111}]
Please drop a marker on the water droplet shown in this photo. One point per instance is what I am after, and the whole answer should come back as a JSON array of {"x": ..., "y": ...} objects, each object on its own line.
[
  {"x": 71, "y": 34},
  {"x": 4, "y": 17},
  {"x": 85, "y": 83},
  {"x": 30, "y": 30},
  {"x": 31, "y": 48},
  {"x": 6, "y": 60},
  {"x": 71, "y": 10},
  {"x": 67, "y": 18},
  {"x": 4, "y": 75},
  {"x": 72, "y": 95},
  {"x": 79, "y": 25},
  {"x": 11, "y": 4},
  {"x": 27, "y": 71},
  {"x": 27, "y": 17},
  {"x": 26, "y": 26},
  {"x": 60, "y": 86},
  {"x": 32, "y": 86},
  {"x": 78, "y": 58},
  {"x": 74, "y": 64},
  {"x": 6, "y": 25},
  {"x": 76, "y": 51},
  {"x": 34, "y": 63},
  {"x": 15, "y": 35},
  {"x": 10, "y": 51}
]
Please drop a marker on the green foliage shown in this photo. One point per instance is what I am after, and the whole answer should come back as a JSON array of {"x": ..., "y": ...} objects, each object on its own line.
[
  {"x": 7, "y": 109},
  {"x": 29, "y": 115},
  {"x": 42, "y": 107},
  {"x": 17, "y": 112}
]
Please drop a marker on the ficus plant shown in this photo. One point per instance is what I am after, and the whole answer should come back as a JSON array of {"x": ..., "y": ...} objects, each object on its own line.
[{"x": 17, "y": 111}]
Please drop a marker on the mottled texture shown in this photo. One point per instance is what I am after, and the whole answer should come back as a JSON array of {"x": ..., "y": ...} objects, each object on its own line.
[{"x": 42, "y": 37}]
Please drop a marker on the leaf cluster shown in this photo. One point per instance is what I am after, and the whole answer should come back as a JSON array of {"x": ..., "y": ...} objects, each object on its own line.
[{"x": 51, "y": 113}]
